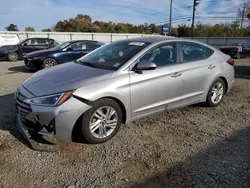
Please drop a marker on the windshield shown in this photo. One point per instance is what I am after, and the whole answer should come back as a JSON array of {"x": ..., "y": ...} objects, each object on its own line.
[
  {"x": 114, "y": 55},
  {"x": 61, "y": 46}
]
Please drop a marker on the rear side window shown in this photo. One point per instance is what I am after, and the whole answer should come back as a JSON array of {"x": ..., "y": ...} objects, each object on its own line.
[
  {"x": 92, "y": 46},
  {"x": 195, "y": 52},
  {"x": 42, "y": 41}
]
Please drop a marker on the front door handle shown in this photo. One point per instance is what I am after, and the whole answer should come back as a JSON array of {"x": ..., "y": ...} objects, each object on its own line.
[
  {"x": 211, "y": 66},
  {"x": 175, "y": 75}
]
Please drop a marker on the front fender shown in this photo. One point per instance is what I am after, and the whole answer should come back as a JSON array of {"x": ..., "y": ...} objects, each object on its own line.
[{"x": 114, "y": 87}]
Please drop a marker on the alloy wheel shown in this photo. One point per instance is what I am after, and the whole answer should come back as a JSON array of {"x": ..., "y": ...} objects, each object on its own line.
[
  {"x": 103, "y": 122},
  {"x": 217, "y": 93},
  {"x": 49, "y": 63}
]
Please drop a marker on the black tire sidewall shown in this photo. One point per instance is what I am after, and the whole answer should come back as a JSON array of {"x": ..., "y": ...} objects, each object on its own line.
[
  {"x": 209, "y": 101},
  {"x": 87, "y": 115},
  {"x": 16, "y": 54},
  {"x": 44, "y": 62},
  {"x": 237, "y": 55}
]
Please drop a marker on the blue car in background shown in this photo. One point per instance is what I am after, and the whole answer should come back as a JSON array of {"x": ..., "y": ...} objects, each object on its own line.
[{"x": 62, "y": 53}]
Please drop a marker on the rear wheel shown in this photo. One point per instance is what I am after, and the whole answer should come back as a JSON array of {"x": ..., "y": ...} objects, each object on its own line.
[
  {"x": 13, "y": 56},
  {"x": 216, "y": 93},
  {"x": 102, "y": 121},
  {"x": 237, "y": 55},
  {"x": 49, "y": 62}
]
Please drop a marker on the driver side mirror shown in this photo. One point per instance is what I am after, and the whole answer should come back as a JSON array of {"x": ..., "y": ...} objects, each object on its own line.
[
  {"x": 145, "y": 65},
  {"x": 69, "y": 49},
  {"x": 25, "y": 44}
]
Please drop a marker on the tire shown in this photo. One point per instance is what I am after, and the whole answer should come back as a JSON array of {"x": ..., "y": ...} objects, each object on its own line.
[
  {"x": 13, "y": 56},
  {"x": 216, "y": 93},
  {"x": 237, "y": 55},
  {"x": 100, "y": 123},
  {"x": 49, "y": 62}
]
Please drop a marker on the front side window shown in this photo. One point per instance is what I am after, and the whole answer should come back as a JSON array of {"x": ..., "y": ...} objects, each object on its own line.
[
  {"x": 162, "y": 55},
  {"x": 114, "y": 55},
  {"x": 194, "y": 52},
  {"x": 61, "y": 46}
]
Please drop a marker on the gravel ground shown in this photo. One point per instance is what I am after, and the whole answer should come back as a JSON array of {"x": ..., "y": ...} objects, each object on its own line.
[{"x": 190, "y": 147}]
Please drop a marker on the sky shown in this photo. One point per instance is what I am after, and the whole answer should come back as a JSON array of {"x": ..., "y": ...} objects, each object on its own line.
[{"x": 42, "y": 14}]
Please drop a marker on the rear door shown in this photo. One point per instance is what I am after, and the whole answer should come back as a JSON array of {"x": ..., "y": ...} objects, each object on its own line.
[
  {"x": 198, "y": 70},
  {"x": 41, "y": 44}
]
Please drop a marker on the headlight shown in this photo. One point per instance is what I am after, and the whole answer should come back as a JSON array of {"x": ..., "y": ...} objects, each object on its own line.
[
  {"x": 17, "y": 91},
  {"x": 50, "y": 100}
]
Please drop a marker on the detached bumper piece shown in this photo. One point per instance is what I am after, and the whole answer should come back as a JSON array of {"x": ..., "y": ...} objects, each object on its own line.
[
  {"x": 36, "y": 141},
  {"x": 31, "y": 130}
]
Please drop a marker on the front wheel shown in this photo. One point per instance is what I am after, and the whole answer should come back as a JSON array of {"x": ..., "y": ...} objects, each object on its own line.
[
  {"x": 216, "y": 93},
  {"x": 102, "y": 121},
  {"x": 49, "y": 62},
  {"x": 13, "y": 56}
]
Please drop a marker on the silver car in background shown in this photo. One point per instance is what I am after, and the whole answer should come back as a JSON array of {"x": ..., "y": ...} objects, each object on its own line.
[{"x": 119, "y": 83}]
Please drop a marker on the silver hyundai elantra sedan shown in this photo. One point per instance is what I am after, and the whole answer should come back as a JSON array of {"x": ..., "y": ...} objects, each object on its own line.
[{"x": 119, "y": 83}]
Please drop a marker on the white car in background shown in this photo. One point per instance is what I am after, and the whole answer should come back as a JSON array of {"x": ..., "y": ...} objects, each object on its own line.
[{"x": 9, "y": 39}]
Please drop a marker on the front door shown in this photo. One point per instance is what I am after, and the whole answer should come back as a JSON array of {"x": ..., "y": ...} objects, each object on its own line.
[
  {"x": 159, "y": 89},
  {"x": 74, "y": 52},
  {"x": 27, "y": 46}
]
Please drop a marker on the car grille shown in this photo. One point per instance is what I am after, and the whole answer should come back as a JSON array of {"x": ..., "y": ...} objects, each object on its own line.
[{"x": 23, "y": 108}]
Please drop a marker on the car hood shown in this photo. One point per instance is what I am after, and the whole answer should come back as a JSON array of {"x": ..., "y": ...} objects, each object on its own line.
[
  {"x": 8, "y": 47},
  {"x": 65, "y": 77},
  {"x": 38, "y": 53}
]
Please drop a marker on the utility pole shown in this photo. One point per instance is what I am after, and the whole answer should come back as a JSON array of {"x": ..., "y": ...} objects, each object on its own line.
[
  {"x": 170, "y": 17},
  {"x": 194, "y": 5},
  {"x": 243, "y": 16}
]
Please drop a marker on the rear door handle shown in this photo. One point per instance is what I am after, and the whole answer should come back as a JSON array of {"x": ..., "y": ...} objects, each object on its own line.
[
  {"x": 175, "y": 75},
  {"x": 211, "y": 66}
]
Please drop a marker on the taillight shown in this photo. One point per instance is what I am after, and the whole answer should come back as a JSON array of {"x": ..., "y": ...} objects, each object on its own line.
[{"x": 230, "y": 61}]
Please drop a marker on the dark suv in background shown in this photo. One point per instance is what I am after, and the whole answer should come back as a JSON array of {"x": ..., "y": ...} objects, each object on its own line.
[{"x": 16, "y": 52}]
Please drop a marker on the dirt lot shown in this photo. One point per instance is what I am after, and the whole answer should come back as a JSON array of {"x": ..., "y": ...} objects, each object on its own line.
[{"x": 191, "y": 147}]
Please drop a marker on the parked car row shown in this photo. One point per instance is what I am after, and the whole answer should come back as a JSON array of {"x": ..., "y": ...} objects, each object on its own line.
[
  {"x": 62, "y": 53},
  {"x": 117, "y": 83},
  {"x": 39, "y": 53}
]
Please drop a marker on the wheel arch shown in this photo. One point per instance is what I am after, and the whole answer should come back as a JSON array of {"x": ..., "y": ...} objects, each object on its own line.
[
  {"x": 226, "y": 83},
  {"x": 76, "y": 132}
]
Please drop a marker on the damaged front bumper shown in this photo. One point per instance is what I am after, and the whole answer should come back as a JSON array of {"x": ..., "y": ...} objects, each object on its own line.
[{"x": 57, "y": 122}]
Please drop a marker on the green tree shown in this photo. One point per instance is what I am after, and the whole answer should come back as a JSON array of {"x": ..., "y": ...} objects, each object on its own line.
[
  {"x": 30, "y": 29},
  {"x": 184, "y": 31},
  {"x": 81, "y": 23},
  {"x": 46, "y": 30},
  {"x": 235, "y": 25},
  {"x": 12, "y": 27}
]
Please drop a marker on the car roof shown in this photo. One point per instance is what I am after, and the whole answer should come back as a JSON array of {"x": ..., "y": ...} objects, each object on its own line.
[
  {"x": 84, "y": 41},
  {"x": 153, "y": 40},
  {"x": 149, "y": 39}
]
